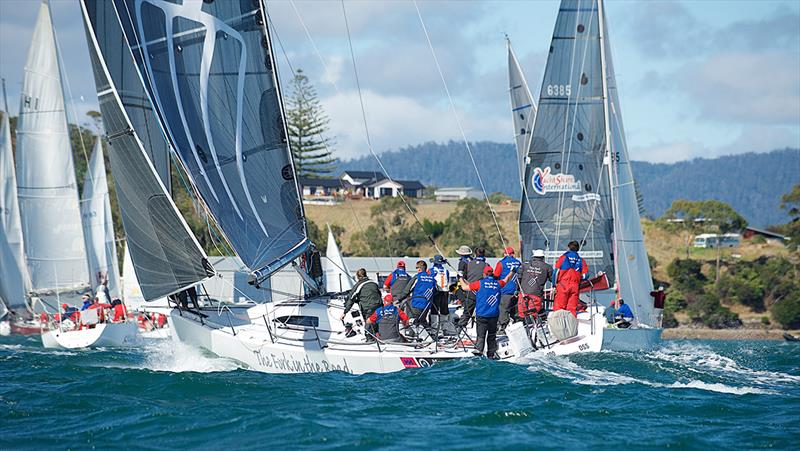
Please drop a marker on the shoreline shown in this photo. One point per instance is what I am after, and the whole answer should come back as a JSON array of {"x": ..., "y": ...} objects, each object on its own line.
[{"x": 686, "y": 333}]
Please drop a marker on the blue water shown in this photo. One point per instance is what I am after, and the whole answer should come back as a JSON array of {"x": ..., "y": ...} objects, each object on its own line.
[{"x": 687, "y": 394}]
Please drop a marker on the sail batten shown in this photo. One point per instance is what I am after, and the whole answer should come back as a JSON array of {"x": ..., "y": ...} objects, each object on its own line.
[
  {"x": 209, "y": 71},
  {"x": 166, "y": 255},
  {"x": 47, "y": 190}
]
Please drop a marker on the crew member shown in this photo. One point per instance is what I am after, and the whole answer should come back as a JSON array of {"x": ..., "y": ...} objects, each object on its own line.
[
  {"x": 119, "y": 310},
  {"x": 535, "y": 275},
  {"x": 465, "y": 255},
  {"x": 487, "y": 308},
  {"x": 625, "y": 311},
  {"x": 101, "y": 293},
  {"x": 611, "y": 312},
  {"x": 420, "y": 288},
  {"x": 507, "y": 265},
  {"x": 397, "y": 280},
  {"x": 366, "y": 293},
  {"x": 474, "y": 271},
  {"x": 388, "y": 318},
  {"x": 87, "y": 302},
  {"x": 570, "y": 269},
  {"x": 441, "y": 295}
]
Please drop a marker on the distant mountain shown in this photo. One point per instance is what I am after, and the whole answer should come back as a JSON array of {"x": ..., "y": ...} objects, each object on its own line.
[{"x": 752, "y": 182}]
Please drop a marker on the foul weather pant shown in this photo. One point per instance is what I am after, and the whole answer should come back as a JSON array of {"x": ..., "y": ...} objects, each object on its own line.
[
  {"x": 421, "y": 315},
  {"x": 440, "y": 305},
  {"x": 528, "y": 304},
  {"x": 469, "y": 308},
  {"x": 567, "y": 297},
  {"x": 487, "y": 332},
  {"x": 505, "y": 309}
]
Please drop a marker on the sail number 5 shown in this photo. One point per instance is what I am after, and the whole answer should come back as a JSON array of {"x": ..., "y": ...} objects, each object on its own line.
[{"x": 559, "y": 90}]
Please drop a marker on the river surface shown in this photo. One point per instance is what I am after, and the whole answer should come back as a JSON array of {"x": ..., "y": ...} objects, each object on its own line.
[{"x": 687, "y": 394}]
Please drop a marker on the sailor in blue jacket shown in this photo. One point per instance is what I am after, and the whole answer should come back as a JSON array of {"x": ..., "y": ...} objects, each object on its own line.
[
  {"x": 420, "y": 288},
  {"x": 487, "y": 308}
]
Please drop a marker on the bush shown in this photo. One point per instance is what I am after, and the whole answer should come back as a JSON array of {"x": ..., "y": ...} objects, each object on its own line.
[
  {"x": 707, "y": 310},
  {"x": 498, "y": 198},
  {"x": 669, "y": 321},
  {"x": 758, "y": 239},
  {"x": 742, "y": 291},
  {"x": 687, "y": 276},
  {"x": 765, "y": 320},
  {"x": 786, "y": 312}
]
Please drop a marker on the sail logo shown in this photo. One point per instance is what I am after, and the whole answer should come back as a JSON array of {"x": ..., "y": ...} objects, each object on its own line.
[{"x": 544, "y": 182}]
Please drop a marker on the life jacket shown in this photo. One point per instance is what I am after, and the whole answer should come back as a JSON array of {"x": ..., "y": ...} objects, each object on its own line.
[
  {"x": 400, "y": 279},
  {"x": 534, "y": 276},
  {"x": 388, "y": 322},
  {"x": 509, "y": 263},
  {"x": 570, "y": 269},
  {"x": 119, "y": 313},
  {"x": 442, "y": 276},
  {"x": 488, "y": 298},
  {"x": 423, "y": 290},
  {"x": 475, "y": 269},
  {"x": 161, "y": 320}
]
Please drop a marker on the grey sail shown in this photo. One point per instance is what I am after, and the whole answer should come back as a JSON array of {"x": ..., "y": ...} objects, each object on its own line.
[
  {"x": 523, "y": 109},
  {"x": 123, "y": 73},
  {"x": 634, "y": 280},
  {"x": 48, "y": 194},
  {"x": 566, "y": 189},
  {"x": 166, "y": 256},
  {"x": 14, "y": 281},
  {"x": 209, "y": 71},
  {"x": 98, "y": 226}
]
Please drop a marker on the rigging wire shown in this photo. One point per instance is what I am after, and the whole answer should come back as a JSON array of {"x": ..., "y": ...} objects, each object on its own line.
[
  {"x": 369, "y": 141},
  {"x": 458, "y": 122}
]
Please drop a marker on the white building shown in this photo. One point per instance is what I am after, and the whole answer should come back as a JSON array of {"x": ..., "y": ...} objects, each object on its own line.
[{"x": 456, "y": 194}]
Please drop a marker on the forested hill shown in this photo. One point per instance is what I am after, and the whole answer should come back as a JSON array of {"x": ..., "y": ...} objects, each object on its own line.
[{"x": 752, "y": 183}]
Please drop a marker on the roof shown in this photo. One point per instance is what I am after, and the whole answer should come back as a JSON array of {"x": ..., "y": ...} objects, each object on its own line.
[
  {"x": 456, "y": 189},
  {"x": 364, "y": 174},
  {"x": 766, "y": 232},
  {"x": 326, "y": 182},
  {"x": 405, "y": 184}
]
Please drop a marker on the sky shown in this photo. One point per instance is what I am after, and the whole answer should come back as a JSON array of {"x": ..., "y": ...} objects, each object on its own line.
[{"x": 699, "y": 78}]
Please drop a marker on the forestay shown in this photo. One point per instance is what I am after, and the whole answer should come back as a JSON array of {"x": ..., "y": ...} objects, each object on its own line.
[
  {"x": 48, "y": 194},
  {"x": 634, "y": 279},
  {"x": 123, "y": 72},
  {"x": 98, "y": 226},
  {"x": 523, "y": 109},
  {"x": 14, "y": 282},
  {"x": 208, "y": 69},
  {"x": 166, "y": 255},
  {"x": 566, "y": 191}
]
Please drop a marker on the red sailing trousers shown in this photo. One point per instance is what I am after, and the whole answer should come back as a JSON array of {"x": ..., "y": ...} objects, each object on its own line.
[{"x": 567, "y": 296}]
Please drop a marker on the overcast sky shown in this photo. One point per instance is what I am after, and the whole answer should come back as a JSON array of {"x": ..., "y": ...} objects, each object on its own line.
[{"x": 697, "y": 78}]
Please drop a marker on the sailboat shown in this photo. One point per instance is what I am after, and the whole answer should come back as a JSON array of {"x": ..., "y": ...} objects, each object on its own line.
[
  {"x": 210, "y": 75},
  {"x": 578, "y": 183}
]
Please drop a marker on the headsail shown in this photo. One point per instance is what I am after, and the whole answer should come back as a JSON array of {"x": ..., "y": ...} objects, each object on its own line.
[
  {"x": 14, "y": 280},
  {"x": 566, "y": 191},
  {"x": 48, "y": 194},
  {"x": 166, "y": 255},
  {"x": 337, "y": 277},
  {"x": 123, "y": 73},
  {"x": 523, "y": 108},
  {"x": 98, "y": 226},
  {"x": 209, "y": 71},
  {"x": 634, "y": 279}
]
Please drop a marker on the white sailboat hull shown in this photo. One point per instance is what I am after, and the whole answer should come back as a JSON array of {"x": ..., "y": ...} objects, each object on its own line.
[
  {"x": 588, "y": 339},
  {"x": 273, "y": 352},
  {"x": 106, "y": 335},
  {"x": 631, "y": 340}
]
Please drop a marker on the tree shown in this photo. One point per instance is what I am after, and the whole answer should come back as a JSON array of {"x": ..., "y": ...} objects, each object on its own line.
[
  {"x": 787, "y": 312},
  {"x": 791, "y": 203},
  {"x": 471, "y": 224},
  {"x": 308, "y": 125}
]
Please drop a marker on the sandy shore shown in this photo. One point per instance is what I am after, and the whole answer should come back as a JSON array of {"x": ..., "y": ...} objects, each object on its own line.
[{"x": 682, "y": 333}]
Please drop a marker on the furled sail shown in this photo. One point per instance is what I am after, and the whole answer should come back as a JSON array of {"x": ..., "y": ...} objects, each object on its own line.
[
  {"x": 566, "y": 190},
  {"x": 209, "y": 71},
  {"x": 14, "y": 281},
  {"x": 634, "y": 280},
  {"x": 48, "y": 194},
  {"x": 123, "y": 72},
  {"x": 337, "y": 277},
  {"x": 98, "y": 226},
  {"x": 523, "y": 109},
  {"x": 166, "y": 255}
]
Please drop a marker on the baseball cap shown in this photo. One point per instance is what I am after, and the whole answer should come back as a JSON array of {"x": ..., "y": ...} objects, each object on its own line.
[
  {"x": 388, "y": 298},
  {"x": 487, "y": 270},
  {"x": 510, "y": 250},
  {"x": 401, "y": 264}
]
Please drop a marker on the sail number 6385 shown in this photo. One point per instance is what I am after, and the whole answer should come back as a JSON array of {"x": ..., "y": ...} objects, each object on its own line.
[{"x": 559, "y": 90}]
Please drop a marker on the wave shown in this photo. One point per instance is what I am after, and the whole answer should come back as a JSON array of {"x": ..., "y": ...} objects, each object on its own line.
[{"x": 177, "y": 357}]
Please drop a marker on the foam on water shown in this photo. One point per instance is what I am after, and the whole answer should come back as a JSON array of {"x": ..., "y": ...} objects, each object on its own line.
[
  {"x": 720, "y": 388},
  {"x": 176, "y": 357}
]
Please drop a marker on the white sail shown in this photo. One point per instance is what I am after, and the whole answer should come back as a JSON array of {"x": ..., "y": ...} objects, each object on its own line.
[
  {"x": 98, "y": 227},
  {"x": 48, "y": 195},
  {"x": 523, "y": 108},
  {"x": 337, "y": 277},
  {"x": 14, "y": 280},
  {"x": 131, "y": 293}
]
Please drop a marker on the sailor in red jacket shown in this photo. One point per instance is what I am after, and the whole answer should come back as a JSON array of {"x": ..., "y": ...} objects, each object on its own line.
[{"x": 570, "y": 269}]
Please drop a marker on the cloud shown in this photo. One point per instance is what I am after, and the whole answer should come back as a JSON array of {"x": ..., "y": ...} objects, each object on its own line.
[
  {"x": 761, "y": 138},
  {"x": 669, "y": 152}
]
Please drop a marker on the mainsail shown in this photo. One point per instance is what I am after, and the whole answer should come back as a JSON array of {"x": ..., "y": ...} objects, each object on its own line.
[
  {"x": 209, "y": 70},
  {"x": 523, "y": 109},
  {"x": 123, "y": 73},
  {"x": 166, "y": 254},
  {"x": 48, "y": 194},
  {"x": 566, "y": 191},
  {"x": 98, "y": 226},
  {"x": 14, "y": 281}
]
